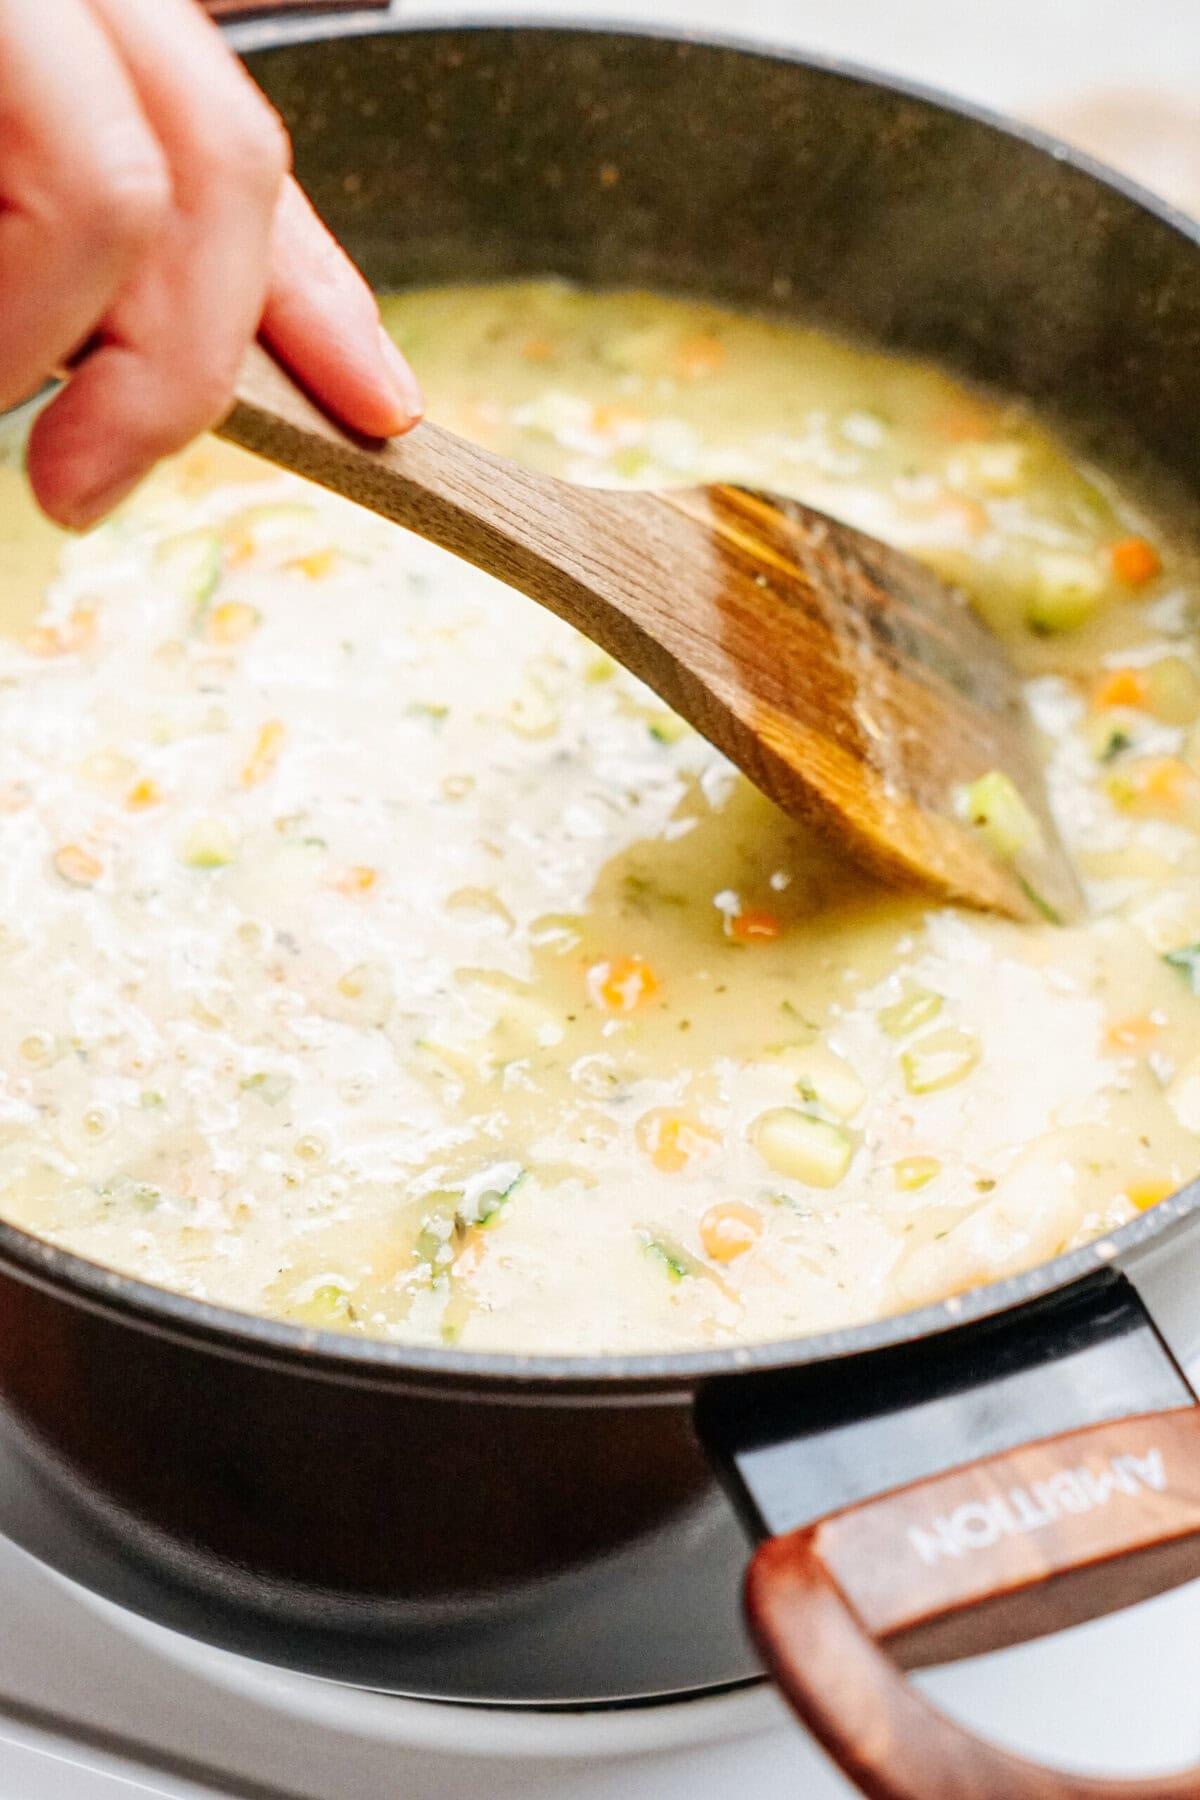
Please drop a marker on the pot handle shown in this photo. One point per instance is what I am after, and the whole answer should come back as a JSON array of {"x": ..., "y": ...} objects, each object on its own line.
[{"x": 1024, "y": 1543}]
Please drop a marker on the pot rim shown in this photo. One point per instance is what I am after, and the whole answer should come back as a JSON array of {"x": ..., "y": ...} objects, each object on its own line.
[{"x": 338, "y": 1356}]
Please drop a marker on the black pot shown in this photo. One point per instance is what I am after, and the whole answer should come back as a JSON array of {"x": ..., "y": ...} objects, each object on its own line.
[{"x": 548, "y": 1530}]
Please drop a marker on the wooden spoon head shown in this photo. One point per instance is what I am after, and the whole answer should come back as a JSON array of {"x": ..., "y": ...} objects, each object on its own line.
[
  {"x": 868, "y": 695},
  {"x": 847, "y": 682}
]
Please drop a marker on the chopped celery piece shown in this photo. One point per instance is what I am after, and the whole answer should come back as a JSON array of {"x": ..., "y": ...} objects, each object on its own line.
[
  {"x": 799, "y": 1144},
  {"x": 940, "y": 1060},
  {"x": 1050, "y": 913},
  {"x": 208, "y": 845},
  {"x": 994, "y": 807},
  {"x": 916, "y": 1006},
  {"x": 667, "y": 729},
  {"x": 1187, "y": 960},
  {"x": 191, "y": 563}
]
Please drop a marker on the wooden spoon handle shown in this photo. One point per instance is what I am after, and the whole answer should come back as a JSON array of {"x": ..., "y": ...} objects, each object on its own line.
[
  {"x": 999, "y": 1551},
  {"x": 567, "y": 547}
]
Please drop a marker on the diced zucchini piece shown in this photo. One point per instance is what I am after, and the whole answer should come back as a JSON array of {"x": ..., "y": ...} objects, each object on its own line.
[
  {"x": 993, "y": 805},
  {"x": 330, "y": 1305},
  {"x": 799, "y": 1144},
  {"x": 662, "y": 1250},
  {"x": 667, "y": 728},
  {"x": 916, "y": 1006},
  {"x": 913, "y": 1172},
  {"x": 209, "y": 844},
  {"x": 1107, "y": 740},
  {"x": 940, "y": 1060},
  {"x": 1067, "y": 590},
  {"x": 824, "y": 1079}
]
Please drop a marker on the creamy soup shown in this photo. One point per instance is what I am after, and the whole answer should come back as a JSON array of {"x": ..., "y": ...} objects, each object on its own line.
[{"x": 376, "y": 954}]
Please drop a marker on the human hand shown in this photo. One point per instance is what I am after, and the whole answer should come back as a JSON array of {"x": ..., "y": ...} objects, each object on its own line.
[{"x": 147, "y": 213}]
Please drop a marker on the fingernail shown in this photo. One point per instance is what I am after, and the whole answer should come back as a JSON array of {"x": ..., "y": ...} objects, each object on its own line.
[
  {"x": 87, "y": 509},
  {"x": 403, "y": 382}
]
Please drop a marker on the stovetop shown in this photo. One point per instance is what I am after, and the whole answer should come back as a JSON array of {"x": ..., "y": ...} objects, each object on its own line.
[{"x": 97, "y": 1705}]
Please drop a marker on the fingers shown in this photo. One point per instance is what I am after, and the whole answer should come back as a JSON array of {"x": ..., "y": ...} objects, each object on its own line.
[
  {"x": 321, "y": 319},
  {"x": 173, "y": 337},
  {"x": 84, "y": 185}
]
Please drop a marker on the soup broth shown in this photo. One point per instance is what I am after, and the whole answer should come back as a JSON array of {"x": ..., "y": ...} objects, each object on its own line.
[{"x": 377, "y": 954}]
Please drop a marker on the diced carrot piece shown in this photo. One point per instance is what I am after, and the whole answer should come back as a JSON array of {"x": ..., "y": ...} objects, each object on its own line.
[
  {"x": 960, "y": 422},
  {"x": 1135, "y": 561},
  {"x": 622, "y": 984},
  {"x": 357, "y": 879},
  {"x": 698, "y": 356},
  {"x": 1167, "y": 781},
  {"x": 1153, "y": 786},
  {"x": 753, "y": 925},
  {"x": 471, "y": 1254},
  {"x": 1131, "y": 1034},
  {"x": 538, "y": 349},
  {"x": 142, "y": 795},
  {"x": 239, "y": 547},
  {"x": 315, "y": 565},
  {"x": 1120, "y": 687},
  {"x": 1145, "y": 1194},
  {"x": 674, "y": 1142},
  {"x": 729, "y": 1230},
  {"x": 79, "y": 633},
  {"x": 77, "y": 865},
  {"x": 607, "y": 419},
  {"x": 265, "y": 754},
  {"x": 231, "y": 623},
  {"x": 973, "y": 513}
]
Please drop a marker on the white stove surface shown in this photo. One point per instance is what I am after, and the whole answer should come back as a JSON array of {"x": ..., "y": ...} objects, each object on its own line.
[{"x": 95, "y": 1705}]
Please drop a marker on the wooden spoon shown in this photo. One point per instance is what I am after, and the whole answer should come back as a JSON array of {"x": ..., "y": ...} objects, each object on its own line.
[{"x": 844, "y": 679}]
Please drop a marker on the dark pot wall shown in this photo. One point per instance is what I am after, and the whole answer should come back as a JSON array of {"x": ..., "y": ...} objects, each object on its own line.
[
  {"x": 624, "y": 159},
  {"x": 424, "y": 1540}
]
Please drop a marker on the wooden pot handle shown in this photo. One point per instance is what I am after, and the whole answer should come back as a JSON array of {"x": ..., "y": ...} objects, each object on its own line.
[{"x": 997, "y": 1552}]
